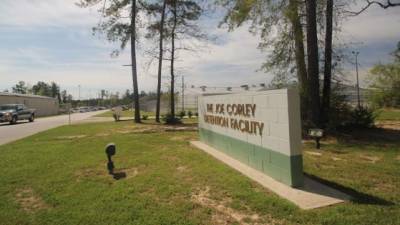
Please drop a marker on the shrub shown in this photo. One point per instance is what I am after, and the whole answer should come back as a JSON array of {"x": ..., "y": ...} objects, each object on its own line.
[
  {"x": 145, "y": 117},
  {"x": 190, "y": 114},
  {"x": 116, "y": 117},
  {"x": 384, "y": 80},
  {"x": 169, "y": 119},
  {"x": 196, "y": 114},
  {"x": 363, "y": 117},
  {"x": 340, "y": 111},
  {"x": 182, "y": 114}
]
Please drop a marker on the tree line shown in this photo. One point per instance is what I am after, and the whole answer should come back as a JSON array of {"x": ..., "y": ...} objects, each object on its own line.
[
  {"x": 42, "y": 88},
  {"x": 104, "y": 97},
  {"x": 385, "y": 82}
]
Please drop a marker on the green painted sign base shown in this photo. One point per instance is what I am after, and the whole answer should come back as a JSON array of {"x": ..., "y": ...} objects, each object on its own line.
[{"x": 283, "y": 168}]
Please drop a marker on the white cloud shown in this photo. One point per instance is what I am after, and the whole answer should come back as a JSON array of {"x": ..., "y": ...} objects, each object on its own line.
[
  {"x": 373, "y": 25},
  {"x": 80, "y": 59},
  {"x": 34, "y": 13},
  {"x": 224, "y": 64}
]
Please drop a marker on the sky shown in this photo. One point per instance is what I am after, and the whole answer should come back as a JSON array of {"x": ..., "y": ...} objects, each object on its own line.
[{"x": 52, "y": 40}]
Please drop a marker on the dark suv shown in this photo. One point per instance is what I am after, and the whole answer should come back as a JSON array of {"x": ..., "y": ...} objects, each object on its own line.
[{"x": 13, "y": 112}]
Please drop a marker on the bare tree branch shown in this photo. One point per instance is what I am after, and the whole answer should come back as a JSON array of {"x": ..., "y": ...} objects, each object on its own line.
[{"x": 386, "y": 4}]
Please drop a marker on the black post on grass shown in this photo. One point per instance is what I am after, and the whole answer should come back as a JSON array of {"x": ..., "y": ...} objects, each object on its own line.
[
  {"x": 317, "y": 134},
  {"x": 110, "y": 151},
  {"x": 317, "y": 140}
]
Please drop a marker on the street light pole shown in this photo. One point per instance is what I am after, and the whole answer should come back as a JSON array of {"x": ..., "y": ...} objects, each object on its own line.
[
  {"x": 79, "y": 93},
  {"x": 358, "y": 83},
  {"x": 133, "y": 102},
  {"x": 183, "y": 93}
]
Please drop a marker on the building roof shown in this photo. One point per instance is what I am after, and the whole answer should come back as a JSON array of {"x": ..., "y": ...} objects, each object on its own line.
[
  {"x": 24, "y": 95},
  {"x": 219, "y": 90}
]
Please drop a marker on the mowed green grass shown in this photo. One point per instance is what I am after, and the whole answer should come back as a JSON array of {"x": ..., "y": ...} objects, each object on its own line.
[
  {"x": 126, "y": 113},
  {"x": 388, "y": 114},
  {"x": 59, "y": 177}
]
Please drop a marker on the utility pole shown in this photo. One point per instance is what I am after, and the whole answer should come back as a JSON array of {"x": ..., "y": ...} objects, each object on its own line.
[
  {"x": 183, "y": 93},
  {"x": 358, "y": 84},
  {"x": 133, "y": 102},
  {"x": 79, "y": 94}
]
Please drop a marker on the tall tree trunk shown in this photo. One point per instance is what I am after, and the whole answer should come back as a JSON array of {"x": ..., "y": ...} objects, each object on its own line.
[
  {"x": 326, "y": 96},
  {"x": 313, "y": 68},
  {"x": 134, "y": 66},
  {"x": 299, "y": 45},
  {"x": 174, "y": 12},
  {"x": 300, "y": 56},
  {"x": 160, "y": 60}
]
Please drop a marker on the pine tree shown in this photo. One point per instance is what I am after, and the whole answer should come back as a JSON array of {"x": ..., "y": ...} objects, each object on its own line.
[{"x": 119, "y": 27}]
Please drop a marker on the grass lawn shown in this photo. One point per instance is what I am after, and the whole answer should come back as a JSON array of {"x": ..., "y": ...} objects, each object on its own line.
[
  {"x": 59, "y": 177},
  {"x": 389, "y": 114},
  {"x": 149, "y": 120},
  {"x": 127, "y": 113}
]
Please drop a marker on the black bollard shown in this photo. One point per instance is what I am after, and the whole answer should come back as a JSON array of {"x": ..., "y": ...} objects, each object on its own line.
[
  {"x": 110, "y": 151},
  {"x": 317, "y": 134},
  {"x": 317, "y": 140}
]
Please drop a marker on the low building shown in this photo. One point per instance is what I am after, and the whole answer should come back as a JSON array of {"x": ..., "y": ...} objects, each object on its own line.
[
  {"x": 45, "y": 106},
  {"x": 149, "y": 105},
  {"x": 191, "y": 94}
]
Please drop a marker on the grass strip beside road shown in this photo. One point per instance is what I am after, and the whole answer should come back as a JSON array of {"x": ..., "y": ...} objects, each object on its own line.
[{"x": 126, "y": 113}]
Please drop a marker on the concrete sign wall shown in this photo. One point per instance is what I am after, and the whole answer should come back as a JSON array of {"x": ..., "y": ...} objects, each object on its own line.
[{"x": 260, "y": 129}]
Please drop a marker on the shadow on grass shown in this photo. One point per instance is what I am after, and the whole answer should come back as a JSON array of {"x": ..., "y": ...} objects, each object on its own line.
[
  {"x": 124, "y": 120},
  {"x": 371, "y": 136},
  {"x": 152, "y": 122},
  {"x": 356, "y": 196},
  {"x": 119, "y": 175}
]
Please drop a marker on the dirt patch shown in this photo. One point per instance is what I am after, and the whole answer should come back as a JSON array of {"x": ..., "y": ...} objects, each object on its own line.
[
  {"x": 330, "y": 141},
  {"x": 72, "y": 137},
  {"x": 181, "y": 168},
  {"x": 327, "y": 166},
  {"x": 94, "y": 120},
  {"x": 225, "y": 215},
  {"x": 143, "y": 130},
  {"x": 147, "y": 130},
  {"x": 174, "y": 129},
  {"x": 92, "y": 173},
  {"x": 314, "y": 153},
  {"x": 371, "y": 159},
  {"x": 384, "y": 187},
  {"x": 124, "y": 131},
  {"x": 29, "y": 201},
  {"x": 398, "y": 157},
  {"x": 391, "y": 125},
  {"x": 170, "y": 158},
  {"x": 336, "y": 159},
  {"x": 153, "y": 129},
  {"x": 128, "y": 172},
  {"x": 102, "y": 135},
  {"x": 177, "y": 138}
]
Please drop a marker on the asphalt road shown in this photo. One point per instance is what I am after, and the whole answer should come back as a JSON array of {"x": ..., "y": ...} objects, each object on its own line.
[{"x": 9, "y": 133}]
